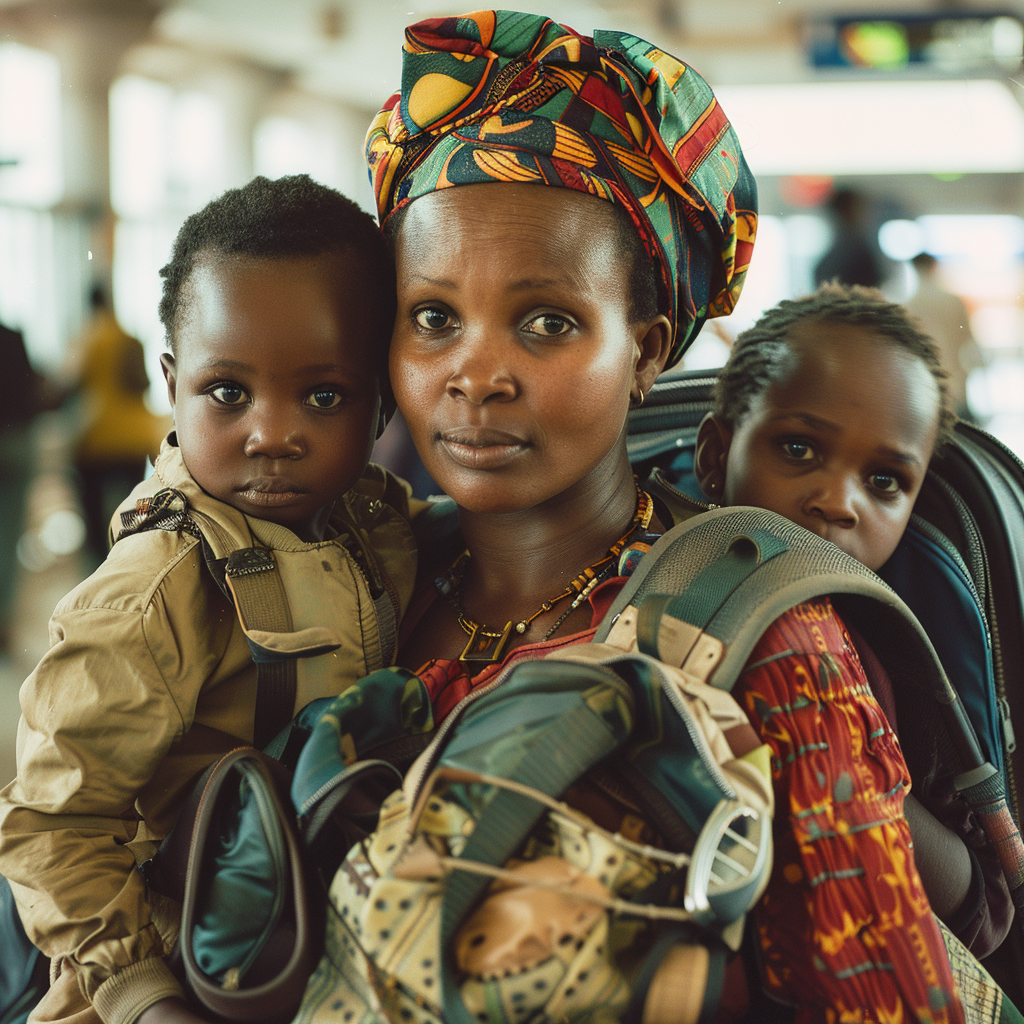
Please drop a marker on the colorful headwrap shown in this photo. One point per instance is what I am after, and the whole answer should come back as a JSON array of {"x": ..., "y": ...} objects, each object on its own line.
[{"x": 502, "y": 96}]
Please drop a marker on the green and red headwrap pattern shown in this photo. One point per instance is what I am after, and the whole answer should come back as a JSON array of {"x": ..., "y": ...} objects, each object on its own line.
[{"x": 503, "y": 96}]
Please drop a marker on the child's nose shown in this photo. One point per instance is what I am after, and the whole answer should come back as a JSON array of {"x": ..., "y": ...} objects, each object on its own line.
[
  {"x": 274, "y": 434},
  {"x": 481, "y": 372},
  {"x": 835, "y": 500}
]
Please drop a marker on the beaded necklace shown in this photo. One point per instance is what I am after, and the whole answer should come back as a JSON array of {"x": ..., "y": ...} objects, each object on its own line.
[{"x": 486, "y": 645}]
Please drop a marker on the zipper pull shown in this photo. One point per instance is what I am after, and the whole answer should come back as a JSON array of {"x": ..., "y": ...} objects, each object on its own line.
[{"x": 1009, "y": 736}]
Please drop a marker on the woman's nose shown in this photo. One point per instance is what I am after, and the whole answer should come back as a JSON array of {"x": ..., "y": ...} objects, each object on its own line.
[
  {"x": 836, "y": 500},
  {"x": 482, "y": 373},
  {"x": 274, "y": 434}
]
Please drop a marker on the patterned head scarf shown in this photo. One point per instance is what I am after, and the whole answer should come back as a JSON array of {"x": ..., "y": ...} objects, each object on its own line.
[{"x": 502, "y": 96}]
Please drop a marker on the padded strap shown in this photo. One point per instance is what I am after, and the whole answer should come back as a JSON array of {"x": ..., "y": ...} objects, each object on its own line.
[
  {"x": 552, "y": 766},
  {"x": 252, "y": 577},
  {"x": 708, "y": 591}
]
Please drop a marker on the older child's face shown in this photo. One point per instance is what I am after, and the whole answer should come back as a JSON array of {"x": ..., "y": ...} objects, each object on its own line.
[
  {"x": 841, "y": 444},
  {"x": 274, "y": 386},
  {"x": 513, "y": 357}
]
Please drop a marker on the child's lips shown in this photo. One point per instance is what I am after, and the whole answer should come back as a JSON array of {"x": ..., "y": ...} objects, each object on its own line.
[{"x": 270, "y": 492}]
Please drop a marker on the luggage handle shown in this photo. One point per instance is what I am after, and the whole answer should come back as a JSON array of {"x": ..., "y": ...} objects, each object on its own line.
[{"x": 277, "y": 998}]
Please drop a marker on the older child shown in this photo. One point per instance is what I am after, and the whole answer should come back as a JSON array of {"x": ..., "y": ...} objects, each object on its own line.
[
  {"x": 278, "y": 303},
  {"x": 828, "y": 412}
]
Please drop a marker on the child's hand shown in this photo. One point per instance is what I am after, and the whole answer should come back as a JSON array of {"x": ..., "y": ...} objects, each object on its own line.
[{"x": 169, "y": 1011}]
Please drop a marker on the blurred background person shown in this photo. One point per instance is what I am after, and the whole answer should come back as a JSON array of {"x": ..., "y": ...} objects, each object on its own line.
[
  {"x": 946, "y": 318},
  {"x": 852, "y": 258},
  {"x": 119, "y": 432},
  {"x": 24, "y": 393}
]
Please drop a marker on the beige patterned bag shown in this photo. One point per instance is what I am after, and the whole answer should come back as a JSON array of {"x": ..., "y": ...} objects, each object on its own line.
[{"x": 566, "y": 924}]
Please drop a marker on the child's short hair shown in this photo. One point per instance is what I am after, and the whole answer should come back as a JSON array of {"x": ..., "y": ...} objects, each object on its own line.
[
  {"x": 292, "y": 216},
  {"x": 758, "y": 357}
]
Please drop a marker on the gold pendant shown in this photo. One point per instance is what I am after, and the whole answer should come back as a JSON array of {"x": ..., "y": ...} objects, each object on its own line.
[{"x": 483, "y": 648}]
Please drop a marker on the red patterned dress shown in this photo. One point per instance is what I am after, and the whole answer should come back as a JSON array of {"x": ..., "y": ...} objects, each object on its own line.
[{"x": 845, "y": 928}]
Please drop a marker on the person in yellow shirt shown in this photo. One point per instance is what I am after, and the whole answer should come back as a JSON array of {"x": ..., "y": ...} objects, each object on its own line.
[{"x": 120, "y": 432}]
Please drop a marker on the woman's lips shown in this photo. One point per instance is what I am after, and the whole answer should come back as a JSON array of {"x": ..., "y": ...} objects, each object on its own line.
[{"x": 481, "y": 447}]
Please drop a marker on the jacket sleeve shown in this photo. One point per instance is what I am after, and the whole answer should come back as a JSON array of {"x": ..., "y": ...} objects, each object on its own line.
[
  {"x": 845, "y": 922},
  {"x": 97, "y": 719}
]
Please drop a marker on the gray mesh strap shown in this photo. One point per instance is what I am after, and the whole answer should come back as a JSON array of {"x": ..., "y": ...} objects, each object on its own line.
[{"x": 709, "y": 590}]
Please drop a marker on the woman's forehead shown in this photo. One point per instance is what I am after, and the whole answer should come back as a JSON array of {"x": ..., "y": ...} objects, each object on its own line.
[{"x": 532, "y": 217}]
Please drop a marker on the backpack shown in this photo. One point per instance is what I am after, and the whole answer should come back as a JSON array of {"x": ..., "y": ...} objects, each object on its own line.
[
  {"x": 960, "y": 569},
  {"x": 455, "y": 907}
]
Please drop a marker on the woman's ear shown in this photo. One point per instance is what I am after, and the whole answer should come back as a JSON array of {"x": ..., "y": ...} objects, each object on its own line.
[
  {"x": 711, "y": 456},
  {"x": 655, "y": 345}
]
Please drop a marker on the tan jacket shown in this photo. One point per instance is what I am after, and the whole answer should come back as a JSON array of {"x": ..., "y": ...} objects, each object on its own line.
[{"x": 148, "y": 679}]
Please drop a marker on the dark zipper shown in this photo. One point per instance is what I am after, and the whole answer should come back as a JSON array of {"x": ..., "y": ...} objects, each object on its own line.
[
  {"x": 976, "y": 548},
  {"x": 698, "y": 506}
]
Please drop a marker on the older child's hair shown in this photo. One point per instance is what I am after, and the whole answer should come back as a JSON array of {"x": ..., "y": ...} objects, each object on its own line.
[
  {"x": 759, "y": 355},
  {"x": 293, "y": 216}
]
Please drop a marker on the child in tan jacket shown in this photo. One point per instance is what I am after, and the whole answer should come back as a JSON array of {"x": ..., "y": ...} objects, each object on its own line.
[{"x": 278, "y": 303}]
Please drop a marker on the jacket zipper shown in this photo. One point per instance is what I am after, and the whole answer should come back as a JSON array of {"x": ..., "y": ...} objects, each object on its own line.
[{"x": 699, "y": 506}]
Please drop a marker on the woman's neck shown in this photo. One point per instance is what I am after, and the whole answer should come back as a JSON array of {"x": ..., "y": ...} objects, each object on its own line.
[{"x": 519, "y": 559}]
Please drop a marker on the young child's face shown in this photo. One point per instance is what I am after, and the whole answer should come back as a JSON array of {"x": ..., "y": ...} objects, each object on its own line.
[
  {"x": 840, "y": 445},
  {"x": 274, "y": 383}
]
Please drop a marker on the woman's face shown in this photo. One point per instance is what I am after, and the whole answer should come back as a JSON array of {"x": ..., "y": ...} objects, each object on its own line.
[{"x": 513, "y": 356}]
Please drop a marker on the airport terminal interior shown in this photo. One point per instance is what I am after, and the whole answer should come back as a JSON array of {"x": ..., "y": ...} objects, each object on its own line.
[{"x": 893, "y": 128}]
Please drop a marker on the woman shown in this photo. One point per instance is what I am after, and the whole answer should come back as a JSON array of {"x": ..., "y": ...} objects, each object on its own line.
[{"x": 530, "y": 319}]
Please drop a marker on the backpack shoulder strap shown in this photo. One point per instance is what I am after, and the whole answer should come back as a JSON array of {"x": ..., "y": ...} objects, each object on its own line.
[
  {"x": 708, "y": 589},
  {"x": 250, "y": 579}
]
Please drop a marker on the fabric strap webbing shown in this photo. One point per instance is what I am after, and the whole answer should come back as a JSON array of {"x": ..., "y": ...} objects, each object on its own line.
[
  {"x": 258, "y": 591},
  {"x": 552, "y": 766},
  {"x": 988, "y": 802}
]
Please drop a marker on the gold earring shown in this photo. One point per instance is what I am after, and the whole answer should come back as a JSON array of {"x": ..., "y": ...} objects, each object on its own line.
[{"x": 639, "y": 401}]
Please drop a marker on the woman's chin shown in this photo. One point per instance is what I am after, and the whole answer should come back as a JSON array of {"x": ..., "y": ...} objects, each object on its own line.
[{"x": 489, "y": 493}]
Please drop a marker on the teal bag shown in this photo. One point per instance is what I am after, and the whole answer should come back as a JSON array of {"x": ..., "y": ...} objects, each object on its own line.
[{"x": 251, "y": 924}]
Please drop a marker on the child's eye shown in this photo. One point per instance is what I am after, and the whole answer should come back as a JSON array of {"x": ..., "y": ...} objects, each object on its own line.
[
  {"x": 325, "y": 398},
  {"x": 884, "y": 482},
  {"x": 433, "y": 319},
  {"x": 799, "y": 451},
  {"x": 548, "y": 325},
  {"x": 228, "y": 394}
]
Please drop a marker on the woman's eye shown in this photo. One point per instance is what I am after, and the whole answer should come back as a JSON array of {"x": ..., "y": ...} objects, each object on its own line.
[
  {"x": 229, "y": 394},
  {"x": 433, "y": 319},
  {"x": 325, "y": 398},
  {"x": 884, "y": 482},
  {"x": 798, "y": 450},
  {"x": 549, "y": 325}
]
